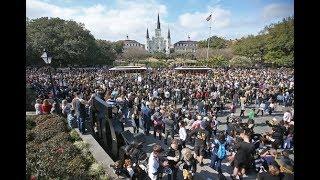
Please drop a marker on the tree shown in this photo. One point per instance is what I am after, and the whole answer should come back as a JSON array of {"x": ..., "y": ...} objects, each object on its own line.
[
  {"x": 159, "y": 55},
  {"x": 135, "y": 53},
  {"x": 67, "y": 41},
  {"x": 202, "y": 53},
  {"x": 216, "y": 61},
  {"x": 280, "y": 43},
  {"x": 107, "y": 52},
  {"x": 241, "y": 61},
  {"x": 273, "y": 45},
  {"x": 215, "y": 43},
  {"x": 252, "y": 47}
]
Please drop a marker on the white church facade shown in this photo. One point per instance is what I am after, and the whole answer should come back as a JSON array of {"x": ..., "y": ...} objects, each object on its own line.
[{"x": 158, "y": 43}]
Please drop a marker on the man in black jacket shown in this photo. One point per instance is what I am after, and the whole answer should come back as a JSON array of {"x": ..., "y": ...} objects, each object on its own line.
[{"x": 174, "y": 157}]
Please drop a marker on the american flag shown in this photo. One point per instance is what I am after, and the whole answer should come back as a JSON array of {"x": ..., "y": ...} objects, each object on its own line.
[{"x": 209, "y": 17}]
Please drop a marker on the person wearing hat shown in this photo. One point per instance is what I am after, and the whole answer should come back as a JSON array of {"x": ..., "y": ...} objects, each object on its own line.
[{"x": 201, "y": 140}]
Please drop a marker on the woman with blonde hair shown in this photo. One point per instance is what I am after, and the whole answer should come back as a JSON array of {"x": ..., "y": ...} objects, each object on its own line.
[{"x": 189, "y": 167}]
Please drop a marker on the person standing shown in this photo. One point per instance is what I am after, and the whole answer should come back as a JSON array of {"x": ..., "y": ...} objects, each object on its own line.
[
  {"x": 244, "y": 154},
  {"x": 242, "y": 105},
  {"x": 173, "y": 156},
  {"x": 201, "y": 140},
  {"x": 168, "y": 126},
  {"x": 182, "y": 133},
  {"x": 218, "y": 152},
  {"x": 157, "y": 123},
  {"x": 146, "y": 118},
  {"x": 80, "y": 111},
  {"x": 135, "y": 120},
  {"x": 154, "y": 164}
]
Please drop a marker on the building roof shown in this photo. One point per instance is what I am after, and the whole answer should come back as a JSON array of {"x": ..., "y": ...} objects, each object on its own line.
[
  {"x": 130, "y": 41},
  {"x": 186, "y": 42}
]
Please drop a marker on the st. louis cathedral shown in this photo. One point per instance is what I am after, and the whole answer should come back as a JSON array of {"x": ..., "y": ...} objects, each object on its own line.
[{"x": 158, "y": 43}]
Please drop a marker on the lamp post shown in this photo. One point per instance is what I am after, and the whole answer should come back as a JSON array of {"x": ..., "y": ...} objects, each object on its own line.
[{"x": 47, "y": 59}]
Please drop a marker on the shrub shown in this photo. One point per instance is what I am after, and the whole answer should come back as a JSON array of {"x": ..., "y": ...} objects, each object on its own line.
[
  {"x": 77, "y": 168},
  {"x": 29, "y": 136},
  {"x": 30, "y": 122},
  {"x": 81, "y": 145},
  {"x": 50, "y": 153},
  {"x": 96, "y": 169},
  {"x": 104, "y": 177},
  {"x": 74, "y": 135},
  {"x": 49, "y": 128},
  {"x": 30, "y": 98}
]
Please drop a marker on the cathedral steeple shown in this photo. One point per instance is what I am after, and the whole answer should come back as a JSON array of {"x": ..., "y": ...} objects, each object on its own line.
[
  {"x": 158, "y": 23},
  {"x": 168, "y": 33},
  {"x": 147, "y": 34}
]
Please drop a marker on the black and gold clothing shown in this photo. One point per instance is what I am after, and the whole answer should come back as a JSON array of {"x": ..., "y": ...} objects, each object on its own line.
[{"x": 202, "y": 136}]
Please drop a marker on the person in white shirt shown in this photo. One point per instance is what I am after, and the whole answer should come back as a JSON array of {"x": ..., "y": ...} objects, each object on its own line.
[
  {"x": 287, "y": 116},
  {"x": 154, "y": 166},
  {"x": 182, "y": 134},
  {"x": 37, "y": 106},
  {"x": 261, "y": 108}
]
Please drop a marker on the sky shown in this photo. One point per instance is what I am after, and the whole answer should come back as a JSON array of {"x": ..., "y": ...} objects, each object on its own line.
[{"x": 115, "y": 19}]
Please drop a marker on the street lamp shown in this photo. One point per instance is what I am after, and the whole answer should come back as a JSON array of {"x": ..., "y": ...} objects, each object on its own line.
[{"x": 47, "y": 59}]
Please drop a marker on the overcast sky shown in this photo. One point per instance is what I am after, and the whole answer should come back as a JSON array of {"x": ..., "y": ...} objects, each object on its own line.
[{"x": 113, "y": 20}]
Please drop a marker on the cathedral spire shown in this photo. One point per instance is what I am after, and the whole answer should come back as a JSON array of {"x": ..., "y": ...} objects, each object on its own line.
[
  {"x": 168, "y": 33},
  {"x": 147, "y": 33},
  {"x": 158, "y": 23}
]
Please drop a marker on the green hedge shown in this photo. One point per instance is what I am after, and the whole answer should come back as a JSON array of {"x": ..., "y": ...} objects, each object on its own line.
[
  {"x": 51, "y": 153},
  {"x": 31, "y": 97}
]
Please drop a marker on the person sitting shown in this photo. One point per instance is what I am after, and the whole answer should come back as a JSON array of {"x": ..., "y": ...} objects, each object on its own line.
[
  {"x": 189, "y": 164},
  {"x": 273, "y": 173},
  {"x": 46, "y": 106}
]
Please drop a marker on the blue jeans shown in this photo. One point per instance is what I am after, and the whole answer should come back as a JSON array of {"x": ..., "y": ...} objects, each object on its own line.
[
  {"x": 81, "y": 124},
  {"x": 215, "y": 162}
]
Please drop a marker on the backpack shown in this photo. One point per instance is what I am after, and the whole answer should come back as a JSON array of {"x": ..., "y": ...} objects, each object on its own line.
[{"x": 221, "y": 153}]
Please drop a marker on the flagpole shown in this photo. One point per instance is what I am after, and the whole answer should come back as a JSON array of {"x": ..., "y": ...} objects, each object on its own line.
[{"x": 209, "y": 37}]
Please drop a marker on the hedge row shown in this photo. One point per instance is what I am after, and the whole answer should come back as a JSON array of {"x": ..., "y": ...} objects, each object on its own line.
[{"x": 51, "y": 152}]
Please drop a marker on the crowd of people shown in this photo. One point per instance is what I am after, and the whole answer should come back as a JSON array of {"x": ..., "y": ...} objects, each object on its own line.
[{"x": 183, "y": 110}]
